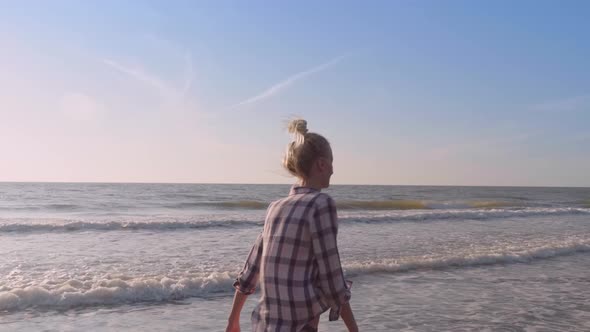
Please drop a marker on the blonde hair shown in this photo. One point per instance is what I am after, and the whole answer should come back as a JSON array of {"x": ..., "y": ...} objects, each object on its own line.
[{"x": 304, "y": 150}]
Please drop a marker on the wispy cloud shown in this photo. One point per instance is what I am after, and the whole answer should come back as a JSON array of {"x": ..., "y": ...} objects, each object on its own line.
[
  {"x": 144, "y": 77},
  {"x": 168, "y": 90},
  {"x": 176, "y": 51},
  {"x": 269, "y": 92},
  {"x": 188, "y": 73},
  {"x": 564, "y": 105}
]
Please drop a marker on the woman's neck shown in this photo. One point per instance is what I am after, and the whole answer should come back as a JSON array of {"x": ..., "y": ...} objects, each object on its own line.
[{"x": 311, "y": 183}]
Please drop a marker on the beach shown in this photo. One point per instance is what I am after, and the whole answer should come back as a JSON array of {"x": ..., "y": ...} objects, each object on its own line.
[{"x": 163, "y": 257}]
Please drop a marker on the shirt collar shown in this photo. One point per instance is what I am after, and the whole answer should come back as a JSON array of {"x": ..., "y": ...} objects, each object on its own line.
[{"x": 298, "y": 189}]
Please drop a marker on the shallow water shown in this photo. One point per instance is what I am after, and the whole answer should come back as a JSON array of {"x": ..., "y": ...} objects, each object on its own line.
[{"x": 106, "y": 257}]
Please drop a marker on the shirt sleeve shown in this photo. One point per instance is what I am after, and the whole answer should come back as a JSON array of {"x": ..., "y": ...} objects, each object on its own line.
[
  {"x": 324, "y": 230},
  {"x": 248, "y": 278}
]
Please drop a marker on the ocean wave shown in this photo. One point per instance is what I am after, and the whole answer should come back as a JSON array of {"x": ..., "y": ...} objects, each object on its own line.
[
  {"x": 459, "y": 215},
  {"x": 357, "y": 205},
  {"x": 242, "y": 204},
  {"x": 71, "y": 226},
  {"x": 60, "y": 207},
  {"x": 117, "y": 207},
  {"x": 75, "y": 293},
  {"x": 128, "y": 290},
  {"x": 382, "y": 205},
  {"x": 18, "y": 225},
  {"x": 491, "y": 204},
  {"x": 421, "y": 205},
  {"x": 487, "y": 256}
]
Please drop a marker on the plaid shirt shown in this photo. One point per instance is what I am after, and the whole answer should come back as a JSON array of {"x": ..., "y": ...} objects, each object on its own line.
[{"x": 296, "y": 259}]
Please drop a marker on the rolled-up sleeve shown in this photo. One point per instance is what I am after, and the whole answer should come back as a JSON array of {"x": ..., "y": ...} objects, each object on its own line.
[
  {"x": 248, "y": 278},
  {"x": 324, "y": 230}
]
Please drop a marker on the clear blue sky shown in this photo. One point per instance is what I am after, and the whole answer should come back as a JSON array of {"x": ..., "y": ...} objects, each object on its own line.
[{"x": 408, "y": 92}]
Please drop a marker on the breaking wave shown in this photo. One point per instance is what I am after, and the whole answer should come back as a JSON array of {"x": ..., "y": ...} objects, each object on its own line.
[
  {"x": 125, "y": 290},
  {"x": 17, "y": 225}
]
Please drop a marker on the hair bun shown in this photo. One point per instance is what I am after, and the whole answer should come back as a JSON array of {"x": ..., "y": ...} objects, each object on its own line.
[{"x": 298, "y": 126}]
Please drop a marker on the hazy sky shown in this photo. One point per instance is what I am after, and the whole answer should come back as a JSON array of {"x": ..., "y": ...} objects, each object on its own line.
[{"x": 408, "y": 92}]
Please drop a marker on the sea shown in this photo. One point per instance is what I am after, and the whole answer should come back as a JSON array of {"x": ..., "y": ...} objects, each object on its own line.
[{"x": 163, "y": 257}]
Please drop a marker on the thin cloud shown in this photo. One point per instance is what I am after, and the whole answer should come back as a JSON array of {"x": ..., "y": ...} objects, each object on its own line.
[
  {"x": 177, "y": 51},
  {"x": 188, "y": 74},
  {"x": 170, "y": 93},
  {"x": 290, "y": 80},
  {"x": 143, "y": 77}
]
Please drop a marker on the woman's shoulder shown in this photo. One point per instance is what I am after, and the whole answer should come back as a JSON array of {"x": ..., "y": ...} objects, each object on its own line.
[
  {"x": 320, "y": 200},
  {"x": 314, "y": 198},
  {"x": 324, "y": 198},
  {"x": 303, "y": 197}
]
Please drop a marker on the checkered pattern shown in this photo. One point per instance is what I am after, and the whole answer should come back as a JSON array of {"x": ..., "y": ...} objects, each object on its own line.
[{"x": 296, "y": 260}]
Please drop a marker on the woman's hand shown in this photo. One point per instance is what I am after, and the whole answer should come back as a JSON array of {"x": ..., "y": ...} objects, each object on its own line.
[
  {"x": 233, "y": 326},
  {"x": 233, "y": 322},
  {"x": 348, "y": 318}
]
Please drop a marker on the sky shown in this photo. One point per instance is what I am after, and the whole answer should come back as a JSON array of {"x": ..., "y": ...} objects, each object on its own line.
[{"x": 407, "y": 92}]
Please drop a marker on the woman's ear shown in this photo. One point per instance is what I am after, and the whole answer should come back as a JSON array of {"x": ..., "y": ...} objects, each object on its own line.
[{"x": 322, "y": 164}]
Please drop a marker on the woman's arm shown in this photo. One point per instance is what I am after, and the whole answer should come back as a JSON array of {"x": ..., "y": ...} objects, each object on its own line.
[
  {"x": 233, "y": 323},
  {"x": 245, "y": 284},
  {"x": 348, "y": 318},
  {"x": 248, "y": 278},
  {"x": 324, "y": 230}
]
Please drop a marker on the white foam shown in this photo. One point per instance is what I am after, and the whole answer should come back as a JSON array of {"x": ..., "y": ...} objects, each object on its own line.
[
  {"x": 215, "y": 221},
  {"x": 122, "y": 289},
  {"x": 457, "y": 214},
  {"x": 120, "y": 225},
  {"x": 483, "y": 256},
  {"x": 73, "y": 293}
]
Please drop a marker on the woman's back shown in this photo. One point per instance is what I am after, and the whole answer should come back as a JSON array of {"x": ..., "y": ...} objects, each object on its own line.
[
  {"x": 298, "y": 263},
  {"x": 288, "y": 268},
  {"x": 295, "y": 258}
]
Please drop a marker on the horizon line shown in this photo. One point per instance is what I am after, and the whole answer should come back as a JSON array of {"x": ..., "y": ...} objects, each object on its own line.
[{"x": 280, "y": 184}]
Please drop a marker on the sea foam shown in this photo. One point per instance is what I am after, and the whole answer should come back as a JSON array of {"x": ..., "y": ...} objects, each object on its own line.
[
  {"x": 18, "y": 225},
  {"x": 108, "y": 290},
  {"x": 485, "y": 256},
  {"x": 75, "y": 293}
]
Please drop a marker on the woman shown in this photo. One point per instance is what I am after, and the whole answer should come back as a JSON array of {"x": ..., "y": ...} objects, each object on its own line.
[{"x": 296, "y": 256}]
